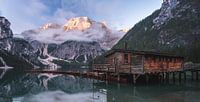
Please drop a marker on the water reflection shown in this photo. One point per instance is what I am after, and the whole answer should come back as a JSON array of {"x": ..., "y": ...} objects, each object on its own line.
[
  {"x": 86, "y": 91},
  {"x": 60, "y": 96},
  {"x": 153, "y": 93}
]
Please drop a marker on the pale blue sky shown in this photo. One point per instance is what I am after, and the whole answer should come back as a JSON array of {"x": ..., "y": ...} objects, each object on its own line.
[{"x": 119, "y": 14}]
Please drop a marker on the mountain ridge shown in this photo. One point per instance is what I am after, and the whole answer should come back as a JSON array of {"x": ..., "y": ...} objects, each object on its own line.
[{"x": 178, "y": 34}]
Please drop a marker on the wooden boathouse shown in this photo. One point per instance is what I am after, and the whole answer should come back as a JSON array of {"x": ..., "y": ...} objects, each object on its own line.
[{"x": 138, "y": 63}]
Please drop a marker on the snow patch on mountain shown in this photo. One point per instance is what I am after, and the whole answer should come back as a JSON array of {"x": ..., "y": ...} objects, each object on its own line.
[
  {"x": 47, "y": 78},
  {"x": 165, "y": 13}
]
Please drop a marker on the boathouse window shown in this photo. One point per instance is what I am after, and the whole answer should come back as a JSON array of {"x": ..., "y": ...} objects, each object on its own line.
[
  {"x": 137, "y": 60},
  {"x": 125, "y": 58}
]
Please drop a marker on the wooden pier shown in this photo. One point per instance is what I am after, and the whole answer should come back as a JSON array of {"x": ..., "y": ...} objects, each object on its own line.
[
  {"x": 160, "y": 77},
  {"x": 134, "y": 66}
]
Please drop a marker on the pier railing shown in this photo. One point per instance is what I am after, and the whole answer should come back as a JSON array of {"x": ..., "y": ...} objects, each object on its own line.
[
  {"x": 124, "y": 68},
  {"x": 136, "y": 69}
]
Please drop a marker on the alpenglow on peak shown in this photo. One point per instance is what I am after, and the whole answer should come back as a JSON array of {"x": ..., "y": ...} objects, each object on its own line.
[{"x": 78, "y": 23}]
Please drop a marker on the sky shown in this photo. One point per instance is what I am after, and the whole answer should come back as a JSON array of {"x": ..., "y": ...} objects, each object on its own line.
[{"x": 118, "y": 14}]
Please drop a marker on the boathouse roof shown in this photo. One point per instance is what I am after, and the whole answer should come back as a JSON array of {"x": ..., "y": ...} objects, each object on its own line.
[{"x": 112, "y": 51}]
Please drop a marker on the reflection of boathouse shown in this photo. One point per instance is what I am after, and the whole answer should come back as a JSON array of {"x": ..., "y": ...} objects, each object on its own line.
[{"x": 124, "y": 61}]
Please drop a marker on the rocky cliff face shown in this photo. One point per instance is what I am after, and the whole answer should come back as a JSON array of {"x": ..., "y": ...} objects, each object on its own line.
[
  {"x": 16, "y": 46},
  {"x": 166, "y": 12},
  {"x": 173, "y": 28},
  {"x": 5, "y": 31},
  {"x": 78, "y": 51},
  {"x": 16, "y": 54},
  {"x": 79, "y": 40}
]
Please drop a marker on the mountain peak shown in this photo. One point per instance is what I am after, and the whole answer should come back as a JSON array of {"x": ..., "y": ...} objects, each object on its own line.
[
  {"x": 77, "y": 29},
  {"x": 5, "y": 31},
  {"x": 78, "y": 23}
]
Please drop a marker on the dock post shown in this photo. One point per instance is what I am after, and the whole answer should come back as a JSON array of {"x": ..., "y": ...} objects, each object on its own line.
[
  {"x": 192, "y": 75},
  {"x": 197, "y": 75},
  {"x": 134, "y": 79},
  {"x": 180, "y": 75},
  {"x": 147, "y": 78},
  {"x": 106, "y": 78},
  {"x": 163, "y": 77},
  {"x": 118, "y": 77},
  {"x": 118, "y": 86},
  {"x": 98, "y": 76},
  {"x": 167, "y": 77},
  {"x": 173, "y": 77},
  {"x": 160, "y": 77},
  {"x": 185, "y": 76}
]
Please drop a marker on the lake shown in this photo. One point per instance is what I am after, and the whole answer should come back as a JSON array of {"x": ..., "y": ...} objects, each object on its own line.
[{"x": 74, "y": 89}]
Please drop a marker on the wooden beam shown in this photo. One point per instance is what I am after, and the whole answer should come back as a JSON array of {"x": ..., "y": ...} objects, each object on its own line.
[{"x": 135, "y": 77}]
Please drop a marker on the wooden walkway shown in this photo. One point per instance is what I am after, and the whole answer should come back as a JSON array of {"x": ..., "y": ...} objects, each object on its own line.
[
  {"x": 75, "y": 73},
  {"x": 108, "y": 76},
  {"x": 92, "y": 74}
]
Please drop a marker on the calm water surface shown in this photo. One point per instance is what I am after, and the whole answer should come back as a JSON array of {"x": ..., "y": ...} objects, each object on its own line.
[{"x": 113, "y": 92}]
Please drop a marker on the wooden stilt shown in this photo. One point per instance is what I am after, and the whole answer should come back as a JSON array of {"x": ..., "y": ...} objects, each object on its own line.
[
  {"x": 98, "y": 78},
  {"x": 163, "y": 77},
  {"x": 180, "y": 76},
  {"x": 147, "y": 78},
  {"x": 134, "y": 91},
  {"x": 197, "y": 75},
  {"x": 118, "y": 77},
  {"x": 192, "y": 75},
  {"x": 167, "y": 77},
  {"x": 118, "y": 86},
  {"x": 160, "y": 77},
  {"x": 106, "y": 79},
  {"x": 173, "y": 77},
  {"x": 134, "y": 79},
  {"x": 184, "y": 76}
]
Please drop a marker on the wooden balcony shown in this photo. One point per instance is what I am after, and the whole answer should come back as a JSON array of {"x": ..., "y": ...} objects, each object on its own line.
[{"x": 124, "y": 68}]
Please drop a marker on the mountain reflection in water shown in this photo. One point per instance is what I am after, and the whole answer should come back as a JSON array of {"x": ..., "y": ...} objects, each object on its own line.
[{"x": 113, "y": 92}]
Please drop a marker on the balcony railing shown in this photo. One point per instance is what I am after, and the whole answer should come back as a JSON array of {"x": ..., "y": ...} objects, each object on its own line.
[{"x": 124, "y": 68}]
